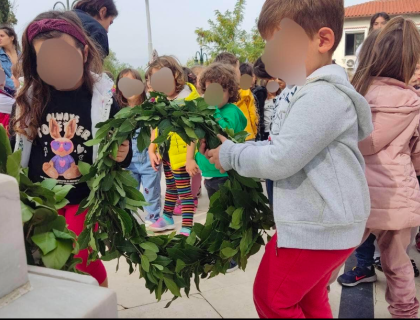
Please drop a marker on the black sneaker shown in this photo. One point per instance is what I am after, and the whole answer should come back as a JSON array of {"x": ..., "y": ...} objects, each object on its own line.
[
  {"x": 416, "y": 271},
  {"x": 378, "y": 264},
  {"x": 357, "y": 275}
]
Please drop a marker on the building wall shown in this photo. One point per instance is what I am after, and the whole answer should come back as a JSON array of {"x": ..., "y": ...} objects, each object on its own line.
[{"x": 358, "y": 25}]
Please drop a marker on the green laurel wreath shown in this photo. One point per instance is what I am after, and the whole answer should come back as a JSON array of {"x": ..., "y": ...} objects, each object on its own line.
[{"x": 236, "y": 221}]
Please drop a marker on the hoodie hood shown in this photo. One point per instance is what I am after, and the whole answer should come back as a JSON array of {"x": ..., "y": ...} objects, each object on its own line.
[
  {"x": 188, "y": 93},
  {"x": 391, "y": 95},
  {"x": 337, "y": 76}
]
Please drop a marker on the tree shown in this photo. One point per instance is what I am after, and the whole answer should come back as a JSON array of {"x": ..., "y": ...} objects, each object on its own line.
[
  {"x": 7, "y": 16},
  {"x": 225, "y": 34},
  {"x": 113, "y": 65}
]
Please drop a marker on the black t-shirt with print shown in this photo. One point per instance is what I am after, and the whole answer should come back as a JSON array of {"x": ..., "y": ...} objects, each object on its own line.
[{"x": 66, "y": 124}]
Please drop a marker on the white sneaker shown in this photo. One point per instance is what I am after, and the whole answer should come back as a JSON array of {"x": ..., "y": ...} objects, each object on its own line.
[{"x": 148, "y": 223}]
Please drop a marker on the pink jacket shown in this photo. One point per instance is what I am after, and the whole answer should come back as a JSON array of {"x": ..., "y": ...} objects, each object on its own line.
[{"x": 392, "y": 155}]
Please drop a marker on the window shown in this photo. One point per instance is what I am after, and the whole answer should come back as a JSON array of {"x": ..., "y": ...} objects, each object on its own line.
[{"x": 353, "y": 41}]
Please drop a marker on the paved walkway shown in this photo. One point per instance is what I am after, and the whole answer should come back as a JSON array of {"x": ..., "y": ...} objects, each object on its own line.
[{"x": 230, "y": 296}]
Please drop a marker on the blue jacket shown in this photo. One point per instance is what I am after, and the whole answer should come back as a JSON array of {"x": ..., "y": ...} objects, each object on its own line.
[
  {"x": 95, "y": 31},
  {"x": 7, "y": 67}
]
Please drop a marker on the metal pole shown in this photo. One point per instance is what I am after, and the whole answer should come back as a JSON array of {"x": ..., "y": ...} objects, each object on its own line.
[{"x": 149, "y": 30}]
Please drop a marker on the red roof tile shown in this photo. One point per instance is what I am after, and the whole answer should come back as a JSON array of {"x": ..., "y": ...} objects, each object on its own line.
[{"x": 392, "y": 7}]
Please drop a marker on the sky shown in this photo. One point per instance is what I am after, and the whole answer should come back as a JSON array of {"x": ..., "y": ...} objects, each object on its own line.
[{"x": 173, "y": 24}]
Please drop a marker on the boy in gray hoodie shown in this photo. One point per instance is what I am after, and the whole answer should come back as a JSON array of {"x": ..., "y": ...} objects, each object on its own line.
[{"x": 321, "y": 197}]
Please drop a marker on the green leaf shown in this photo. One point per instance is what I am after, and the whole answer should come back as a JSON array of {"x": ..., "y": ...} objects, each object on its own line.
[
  {"x": 128, "y": 125},
  {"x": 45, "y": 241},
  {"x": 49, "y": 183},
  {"x": 59, "y": 223},
  {"x": 180, "y": 265},
  {"x": 237, "y": 218},
  {"x": 61, "y": 191},
  {"x": 125, "y": 219},
  {"x": 149, "y": 246},
  {"x": 158, "y": 266},
  {"x": 200, "y": 133},
  {"x": 196, "y": 119},
  {"x": 84, "y": 239},
  {"x": 191, "y": 133},
  {"x": 151, "y": 256},
  {"x": 103, "y": 131},
  {"x": 43, "y": 215},
  {"x": 107, "y": 183},
  {"x": 123, "y": 113},
  {"x": 110, "y": 256},
  {"x": 170, "y": 302},
  {"x": 127, "y": 179},
  {"x": 5, "y": 148},
  {"x": 145, "y": 264},
  {"x": 84, "y": 167},
  {"x": 92, "y": 142},
  {"x": 159, "y": 290},
  {"x": 64, "y": 235},
  {"x": 143, "y": 140},
  {"x": 13, "y": 164},
  {"x": 246, "y": 241},
  {"x": 57, "y": 258},
  {"x": 61, "y": 204},
  {"x": 229, "y": 252},
  {"x": 27, "y": 212},
  {"x": 171, "y": 285}
]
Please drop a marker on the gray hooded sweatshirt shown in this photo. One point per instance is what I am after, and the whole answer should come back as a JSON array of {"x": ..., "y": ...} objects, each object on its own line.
[{"x": 321, "y": 197}]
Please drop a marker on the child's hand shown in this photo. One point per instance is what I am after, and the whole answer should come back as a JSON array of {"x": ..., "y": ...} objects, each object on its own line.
[
  {"x": 192, "y": 167},
  {"x": 155, "y": 160},
  {"x": 123, "y": 150}
]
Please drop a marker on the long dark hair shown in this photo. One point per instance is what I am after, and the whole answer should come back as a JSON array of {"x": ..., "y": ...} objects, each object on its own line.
[
  {"x": 376, "y": 16},
  {"x": 11, "y": 33},
  {"x": 35, "y": 93},
  {"x": 121, "y": 100},
  {"x": 92, "y": 7},
  {"x": 392, "y": 52}
]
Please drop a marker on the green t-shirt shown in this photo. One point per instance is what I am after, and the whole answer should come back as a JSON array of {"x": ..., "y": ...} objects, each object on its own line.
[{"x": 229, "y": 116}]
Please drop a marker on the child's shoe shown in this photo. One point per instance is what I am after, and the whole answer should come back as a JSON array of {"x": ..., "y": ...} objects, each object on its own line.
[
  {"x": 416, "y": 270},
  {"x": 357, "y": 275},
  {"x": 233, "y": 266},
  {"x": 163, "y": 224},
  {"x": 378, "y": 264},
  {"x": 185, "y": 232},
  {"x": 148, "y": 223}
]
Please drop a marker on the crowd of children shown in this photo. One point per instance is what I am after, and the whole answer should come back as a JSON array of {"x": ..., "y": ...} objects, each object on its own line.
[{"x": 341, "y": 159}]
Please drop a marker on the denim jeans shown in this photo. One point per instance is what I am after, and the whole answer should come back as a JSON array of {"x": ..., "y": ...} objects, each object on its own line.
[
  {"x": 143, "y": 172},
  {"x": 213, "y": 185},
  {"x": 365, "y": 252}
]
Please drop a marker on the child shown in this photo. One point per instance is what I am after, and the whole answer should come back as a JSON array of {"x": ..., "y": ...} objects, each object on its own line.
[
  {"x": 246, "y": 102},
  {"x": 392, "y": 154},
  {"x": 140, "y": 165},
  {"x": 198, "y": 70},
  {"x": 178, "y": 181},
  {"x": 6, "y": 103},
  {"x": 247, "y": 68},
  {"x": 53, "y": 125},
  {"x": 321, "y": 198},
  {"x": 227, "y": 115}
]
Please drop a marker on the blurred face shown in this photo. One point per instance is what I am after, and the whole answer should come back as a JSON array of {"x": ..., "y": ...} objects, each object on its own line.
[
  {"x": 130, "y": 76},
  {"x": 379, "y": 23},
  {"x": 149, "y": 85},
  {"x": 5, "y": 40},
  {"x": 226, "y": 97},
  {"x": 60, "y": 62},
  {"x": 104, "y": 20}
]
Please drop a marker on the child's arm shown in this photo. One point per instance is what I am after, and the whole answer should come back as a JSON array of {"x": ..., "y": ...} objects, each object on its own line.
[
  {"x": 191, "y": 165},
  {"x": 315, "y": 121},
  {"x": 224, "y": 122},
  {"x": 387, "y": 126},
  {"x": 154, "y": 157}
]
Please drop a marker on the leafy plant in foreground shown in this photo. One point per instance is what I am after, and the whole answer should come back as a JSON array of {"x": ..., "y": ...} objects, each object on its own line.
[{"x": 236, "y": 221}]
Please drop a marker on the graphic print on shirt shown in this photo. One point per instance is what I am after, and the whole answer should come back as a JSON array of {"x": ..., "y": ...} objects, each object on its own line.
[
  {"x": 281, "y": 110},
  {"x": 63, "y": 164}
]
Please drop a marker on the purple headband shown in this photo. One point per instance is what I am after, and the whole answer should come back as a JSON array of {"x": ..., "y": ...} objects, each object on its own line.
[{"x": 47, "y": 25}]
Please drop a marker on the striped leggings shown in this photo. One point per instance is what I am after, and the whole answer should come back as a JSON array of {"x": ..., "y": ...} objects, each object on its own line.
[{"x": 178, "y": 183}]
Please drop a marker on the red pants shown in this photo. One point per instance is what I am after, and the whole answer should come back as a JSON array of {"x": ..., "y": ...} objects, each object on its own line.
[
  {"x": 76, "y": 223},
  {"x": 292, "y": 283}
]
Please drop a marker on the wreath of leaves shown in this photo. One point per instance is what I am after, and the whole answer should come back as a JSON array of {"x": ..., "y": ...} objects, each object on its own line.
[{"x": 236, "y": 221}]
